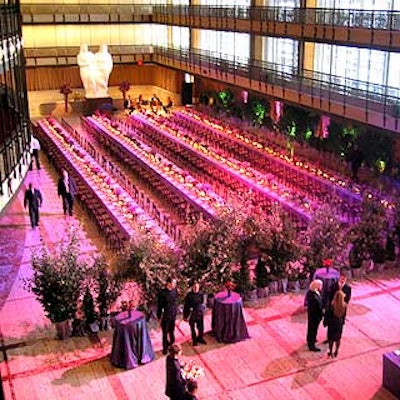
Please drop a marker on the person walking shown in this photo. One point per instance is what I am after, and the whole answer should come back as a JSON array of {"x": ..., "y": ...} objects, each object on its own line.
[
  {"x": 166, "y": 312},
  {"x": 314, "y": 313},
  {"x": 176, "y": 384},
  {"x": 335, "y": 317},
  {"x": 193, "y": 311},
  {"x": 35, "y": 148},
  {"x": 67, "y": 190},
  {"x": 33, "y": 199}
]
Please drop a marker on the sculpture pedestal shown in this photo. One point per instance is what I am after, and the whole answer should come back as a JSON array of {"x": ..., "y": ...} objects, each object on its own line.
[{"x": 103, "y": 104}]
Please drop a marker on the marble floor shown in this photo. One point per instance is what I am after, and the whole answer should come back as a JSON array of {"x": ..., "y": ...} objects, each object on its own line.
[{"x": 273, "y": 363}]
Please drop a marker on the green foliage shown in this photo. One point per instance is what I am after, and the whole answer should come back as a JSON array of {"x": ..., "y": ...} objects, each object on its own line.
[
  {"x": 283, "y": 245},
  {"x": 209, "y": 250},
  {"x": 371, "y": 230},
  {"x": 108, "y": 286},
  {"x": 325, "y": 237},
  {"x": 149, "y": 263},
  {"x": 58, "y": 278}
]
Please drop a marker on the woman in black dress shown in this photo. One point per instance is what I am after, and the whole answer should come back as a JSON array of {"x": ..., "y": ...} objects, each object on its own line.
[
  {"x": 176, "y": 384},
  {"x": 335, "y": 319}
]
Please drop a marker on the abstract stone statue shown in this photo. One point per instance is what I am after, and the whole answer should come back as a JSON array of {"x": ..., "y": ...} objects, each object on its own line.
[{"x": 95, "y": 69}]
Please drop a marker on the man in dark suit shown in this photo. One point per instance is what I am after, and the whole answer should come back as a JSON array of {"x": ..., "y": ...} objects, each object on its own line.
[
  {"x": 67, "y": 190},
  {"x": 314, "y": 313},
  {"x": 166, "y": 312},
  {"x": 193, "y": 311},
  {"x": 33, "y": 199}
]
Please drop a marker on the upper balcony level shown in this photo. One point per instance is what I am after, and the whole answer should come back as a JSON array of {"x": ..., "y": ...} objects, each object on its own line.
[
  {"x": 361, "y": 101},
  {"x": 362, "y": 28}
]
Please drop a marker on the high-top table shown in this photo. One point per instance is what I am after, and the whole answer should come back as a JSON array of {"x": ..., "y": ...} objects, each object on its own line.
[
  {"x": 391, "y": 373},
  {"x": 329, "y": 276},
  {"x": 131, "y": 342},
  {"x": 228, "y": 324}
]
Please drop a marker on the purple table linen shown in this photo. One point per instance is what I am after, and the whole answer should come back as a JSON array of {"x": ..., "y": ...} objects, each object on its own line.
[
  {"x": 228, "y": 324},
  {"x": 131, "y": 342},
  {"x": 391, "y": 373}
]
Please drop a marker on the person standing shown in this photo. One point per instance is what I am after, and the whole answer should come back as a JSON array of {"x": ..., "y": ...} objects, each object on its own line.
[
  {"x": 314, "y": 313},
  {"x": 193, "y": 311},
  {"x": 166, "y": 312},
  {"x": 335, "y": 319},
  {"x": 342, "y": 285},
  {"x": 67, "y": 190},
  {"x": 176, "y": 384},
  {"x": 191, "y": 390},
  {"x": 35, "y": 148},
  {"x": 33, "y": 199}
]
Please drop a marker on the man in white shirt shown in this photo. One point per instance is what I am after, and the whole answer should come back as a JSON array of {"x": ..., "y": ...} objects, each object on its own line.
[{"x": 35, "y": 148}]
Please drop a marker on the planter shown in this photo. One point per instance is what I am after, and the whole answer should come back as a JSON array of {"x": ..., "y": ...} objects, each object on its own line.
[
  {"x": 273, "y": 287},
  {"x": 379, "y": 267},
  {"x": 104, "y": 323},
  {"x": 63, "y": 329},
  {"x": 294, "y": 286},
  {"x": 283, "y": 283},
  {"x": 262, "y": 293},
  {"x": 356, "y": 273},
  {"x": 304, "y": 283},
  {"x": 250, "y": 295},
  {"x": 390, "y": 264}
]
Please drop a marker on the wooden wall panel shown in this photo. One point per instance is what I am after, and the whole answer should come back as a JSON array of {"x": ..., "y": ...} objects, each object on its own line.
[{"x": 51, "y": 78}]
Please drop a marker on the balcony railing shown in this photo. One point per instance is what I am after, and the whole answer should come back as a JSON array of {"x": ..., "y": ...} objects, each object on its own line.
[
  {"x": 367, "y": 19},
  {"x": 351, "y": 18},
  {"x": 371, "y": 97}
]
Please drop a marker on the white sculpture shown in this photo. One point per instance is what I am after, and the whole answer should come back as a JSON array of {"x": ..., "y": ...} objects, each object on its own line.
[{"x": 95, "y": 70}]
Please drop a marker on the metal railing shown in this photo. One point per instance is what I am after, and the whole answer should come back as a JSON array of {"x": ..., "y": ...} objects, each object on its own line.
[
  {"x": 319, "y": 84},
  {"x": 350, "y": 18}
]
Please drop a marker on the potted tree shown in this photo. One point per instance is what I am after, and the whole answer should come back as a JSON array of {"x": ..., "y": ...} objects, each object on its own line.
[
  {"x": 149, "y": 263},
  {"x": 107, "y": 288},
  {"x": 57, "y": 281}
]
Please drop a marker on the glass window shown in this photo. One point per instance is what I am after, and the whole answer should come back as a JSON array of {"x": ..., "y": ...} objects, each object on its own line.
[
  {"x": 230, "y": 45},
  {"x": 282, "y": 52}
]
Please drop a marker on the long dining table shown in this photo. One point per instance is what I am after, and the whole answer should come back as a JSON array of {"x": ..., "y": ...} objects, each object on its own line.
[
  {"x": 196, "y": 194},
  {"x": 121, "y": 208},
  {"x": 255, "y": 182}
]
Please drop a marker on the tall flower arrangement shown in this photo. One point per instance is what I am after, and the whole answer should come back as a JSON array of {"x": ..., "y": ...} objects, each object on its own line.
[
  {"x": 58, "y": 278},
  {"x": 371, "y": 231},
  {"x": 325, "y": 238},
  {"x": 283, "y": 246},
  {"x": 124, "y": 87},
  {"x": 66, "y": 90},
  {"x": 209, "y": 250},
  {"x": 149, "y": 263}
]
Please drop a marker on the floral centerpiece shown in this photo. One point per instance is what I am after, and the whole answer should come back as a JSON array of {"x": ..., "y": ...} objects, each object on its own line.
[
  {"x": 327, "y": 263},
  {"x": 230, "y": 286},
  {"x": 192, "y": 371}
]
